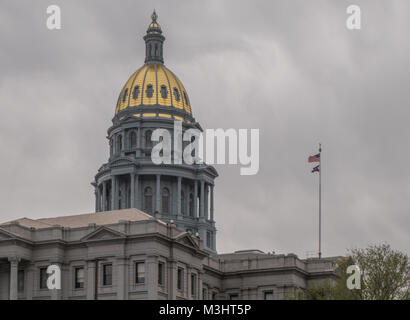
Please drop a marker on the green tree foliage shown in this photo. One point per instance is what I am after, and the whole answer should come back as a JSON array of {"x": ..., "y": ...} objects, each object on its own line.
[{"x": 385, "y": 275}]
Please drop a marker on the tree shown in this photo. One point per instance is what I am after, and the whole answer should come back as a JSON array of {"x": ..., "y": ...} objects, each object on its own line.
[{"x": 385, "y": 275}]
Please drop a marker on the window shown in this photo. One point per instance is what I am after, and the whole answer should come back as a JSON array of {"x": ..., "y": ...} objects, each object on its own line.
[
  {"x": 107, "y": 274},
  {"x": 193, "y": 285},
  {"x": 124, "y": 97},
  {"x": 148, "y": 142},
  {"x": 43, "y": 278},
  {"x": 133, "y": 139},
  {"x": 20, "y": 281},
  {"x": 191, "y": 204},
  {"x": 150, "y": 91},
  {"x": 119, "y": 143},
  {"x": 186, "y": 98},
  {"x": 233, "y": 296},
  {"x": 176, "y": 94},
  {"x": 164, "y": 92},
  {"x": 161, "y": 274},
  {"x": 268, "y": 295},
  {"x": 180, "y": 282},
  {"x": 209, "y": 239},
  {"x": 135, "y": 92},
  {"x": 139, "y": 272},
  {"x": 148, "y": 199},
  {"x": 79, "y": 278},
  {"x": 165, "y": 201}
]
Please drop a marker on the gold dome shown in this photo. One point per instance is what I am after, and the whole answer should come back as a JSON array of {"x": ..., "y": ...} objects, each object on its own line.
[{"x": 153, "y": 85}]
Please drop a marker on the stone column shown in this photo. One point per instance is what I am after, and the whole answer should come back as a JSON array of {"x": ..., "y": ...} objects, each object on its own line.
[
  {"x": 200, "y": 286},
  {"x": 99, "y": 199},
  {"x": 172, "y": 279},
  {"x": 195, "y": 199},
  {"x": 158, "y": 194},
  {"x": 113, "y": 191},
  {"x": 14, "y": 264},
  {"x": 122, "y": 283},
  {"x": 104, "y": 196},
  {"x": 90, "y": 282},
  {"x": 96, "y": 199},
  {"x": 188, "y": 282},
  {"x": 201, "y": 199},
  {"x": 179, "y": 203},
  {"x": 137, "y": 192},
  {"x": 212, "y": 204},
  {"x": 132, "y": 204},
  {"x": 206, "y": 211},
  {"x": 56, "y": 293},
  {"x": 29, "y": 285},
  {"x": 152, "y": 277}
]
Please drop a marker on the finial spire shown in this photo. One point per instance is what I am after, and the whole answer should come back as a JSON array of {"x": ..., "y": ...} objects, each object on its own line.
[
  {"x": 154, "y": 41},
  {"x": 154, "y": 16}
]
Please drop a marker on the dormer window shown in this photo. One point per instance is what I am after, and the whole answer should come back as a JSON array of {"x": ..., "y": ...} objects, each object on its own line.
[
  {"x": 150, "y": 91},
  {"x": 124, "y": 97},
  {"x": 176, "y": 94},
  {"x": 136, "y": 92},
  {"x": 186, "y": 98},
  {"x": 164, "y": 92}
]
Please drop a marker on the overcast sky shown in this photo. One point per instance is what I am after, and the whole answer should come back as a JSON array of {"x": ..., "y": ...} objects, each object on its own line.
[{"x": 289, "y": 68}]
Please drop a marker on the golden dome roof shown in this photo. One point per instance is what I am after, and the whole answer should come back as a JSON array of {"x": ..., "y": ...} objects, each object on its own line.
[
  {"x": 153, "y": 85},
  {"x": 153, "y": 90}
]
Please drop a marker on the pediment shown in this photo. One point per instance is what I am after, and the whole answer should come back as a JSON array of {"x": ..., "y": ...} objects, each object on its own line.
[
  {"x": 6, "y": 235},
  {"x": 103, "y": 233},
  {"x": 186, "y": 240}
]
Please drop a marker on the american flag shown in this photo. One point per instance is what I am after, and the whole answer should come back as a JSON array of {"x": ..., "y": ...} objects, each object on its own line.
[{"x": 315, "y": 158}]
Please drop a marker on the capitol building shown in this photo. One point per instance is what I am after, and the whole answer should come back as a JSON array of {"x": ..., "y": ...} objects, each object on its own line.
[{"x": 153, "y": 234}]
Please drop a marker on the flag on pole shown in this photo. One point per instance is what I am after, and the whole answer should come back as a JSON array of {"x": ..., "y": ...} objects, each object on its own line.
[
  {"x": 315, "y": 158},
  {"x": 316, "y": 169}
]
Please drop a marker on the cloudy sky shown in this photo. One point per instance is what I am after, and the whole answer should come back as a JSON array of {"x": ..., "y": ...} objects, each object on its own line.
[{"x": 289, "y": 68}]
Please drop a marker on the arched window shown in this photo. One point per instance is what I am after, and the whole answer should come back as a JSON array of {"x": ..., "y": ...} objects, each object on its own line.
[
  {"x": 164, "y": 92},
  {"x": 124, "y": 97},
  {"x": 136, "y": 92},
  {"x": 165, "y": 201},
  {"x": 176, "y": 94},
  {"x": 133, "y": 139},
  {"x": 119, "y": 144},
  {"x": 183, "y": 203},
  {"x": 148, "y": 199},
  {"x": 148, "y": 142},
  {"x": 186, "y": 99},
  {"x": 150, "y": 91},
  {"x": 191, "y": 204}
]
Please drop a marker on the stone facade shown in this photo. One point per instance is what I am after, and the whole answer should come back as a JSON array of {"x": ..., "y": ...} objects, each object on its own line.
[{"x": 146, "y": 259}]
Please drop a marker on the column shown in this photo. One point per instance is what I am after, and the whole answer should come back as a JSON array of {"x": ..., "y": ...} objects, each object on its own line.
[
  {"x": 104, "y": 196},
  {"x": 158, "y": 194},
  {"x": 56, "y": 293},
  {"x": 188, "y": 291},
  {"x": 113, "y": 191},
  {"x": 201, "y": 200},
  {"x": 179, "y": 203},
  {"x": 132, "y": 204},
  {"x": 172, "y": 279},
  {"x": 91, "y": 279},
  {"x": 99, "y": 198},
  {"x": 14, "y": 264},
  {"x": 200, "y": 286},
  {"x": 29, "y": 285},
  {"x": 96, "y": 199},
  {"x": 212, "y": 204},
  {"x": 206, "y": 211},
  {"x": 137, "y": 192},
  {"x": 122, "y": 283},
  {"x": 152, "y": 277},
  {"x": 195, "y": 199}
]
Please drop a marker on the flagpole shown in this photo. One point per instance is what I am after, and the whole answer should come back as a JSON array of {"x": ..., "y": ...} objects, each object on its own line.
[{"x": 320, "y": 201}]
